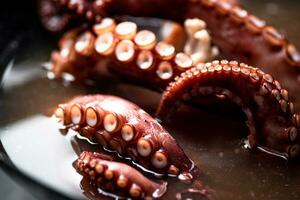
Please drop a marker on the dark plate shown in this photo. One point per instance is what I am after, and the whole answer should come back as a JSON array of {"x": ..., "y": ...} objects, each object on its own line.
[{"x": 39, "y": 157}]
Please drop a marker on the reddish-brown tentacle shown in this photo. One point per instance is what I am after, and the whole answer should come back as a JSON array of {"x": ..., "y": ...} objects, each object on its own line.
[
  {"x": 122, "y": 126},
  {"x": 261, "y": 45},
  {"x": 271, "y": 119},
  {"x": 69, "y": 60},
  {"x": 130, "y": 53},
  {"x": 125, "y": 63},
  {"x": 95, "y": 10},
  {"x": 118, "y": 178}
]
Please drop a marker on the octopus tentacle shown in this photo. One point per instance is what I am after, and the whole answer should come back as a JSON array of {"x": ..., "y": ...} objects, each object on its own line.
[
  {"x": 262, "y": 45},
  {"x": 109, "y": 175},
  {"x": 273, "y": 124},
  {"x": 68, "y": 60},
  {"x": 95, "y": 10},
  {"x": 122, "y": 126},
  {"x": 131, "y": 53}
]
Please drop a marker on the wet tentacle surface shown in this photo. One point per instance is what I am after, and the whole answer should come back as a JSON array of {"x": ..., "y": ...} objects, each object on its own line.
[
  {"x": 118, "y": 178},
  {"x": 138, "y": 56},
  {"x": 224, "y": 18},
  {"x": 119, "y": 125},
  {"x": 261, "y": 44},
  {"x": 132, "y": 54},
  {"x": 271, "y": 118}
]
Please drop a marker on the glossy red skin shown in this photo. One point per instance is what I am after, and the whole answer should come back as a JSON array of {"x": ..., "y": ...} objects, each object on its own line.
[
  {"x": 252, "y": 48},
  {"x": 95, "y": 66},
  {"x": 148, "y": 188},
  {"x": 144, "y": 125},
  {"x": 271, "y": 114},
  {"x": 281, "y": 61}
]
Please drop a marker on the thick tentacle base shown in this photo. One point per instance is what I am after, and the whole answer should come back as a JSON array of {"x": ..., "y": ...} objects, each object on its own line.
[
  {"x": 271, "y": 119},
  {"x": 122, "y": 126},
  {"x": 224, "y": 18},
  {"x": 239, "y": 34},
  {"x": 117, "y": 177}
]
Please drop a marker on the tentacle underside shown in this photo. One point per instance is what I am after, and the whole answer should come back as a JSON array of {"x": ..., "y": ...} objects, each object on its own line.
[
  {"x": 260, "y": 45},
  {"x": 67, "y": 60},
  {"x": 135, "y": 55},
  {"x": 118, "y": 178},
  {"x": 156, "y": 71},
  {"x": 122, "y": 126},
  {"x": 272, "y": 121}
]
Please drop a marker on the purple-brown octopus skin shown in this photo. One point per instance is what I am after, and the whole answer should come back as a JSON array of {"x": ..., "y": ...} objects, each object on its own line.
[
  {"x": 122, "y": 126},
  {"x": 149, "y": 66},
  {"x": 131, "y": 69},
  {"x": 260, "y": 45},
  {"x": 271, "y": 119},
  {"x": 119, "y": 178},
  {"x": 94, "y": 11}
]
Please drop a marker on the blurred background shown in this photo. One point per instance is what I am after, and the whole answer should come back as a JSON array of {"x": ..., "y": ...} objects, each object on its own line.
[{"x": 18, "y": 20}]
